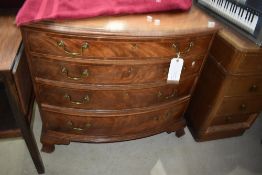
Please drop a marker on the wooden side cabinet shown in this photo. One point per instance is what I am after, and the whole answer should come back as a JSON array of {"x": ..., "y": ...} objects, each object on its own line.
[
  {"x": 228, "y": 96},
  {"x": 16, "y": 91}
]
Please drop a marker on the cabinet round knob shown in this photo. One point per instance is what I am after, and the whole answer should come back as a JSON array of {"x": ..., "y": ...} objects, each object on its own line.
[
  {"x": 253, "y": 88},
  {"x": 228, "y": 119},
  {"x": 243, "y": 107}
]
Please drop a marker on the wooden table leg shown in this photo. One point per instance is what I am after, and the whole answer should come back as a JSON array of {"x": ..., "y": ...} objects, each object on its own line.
[{"x": 23, "y": 124}]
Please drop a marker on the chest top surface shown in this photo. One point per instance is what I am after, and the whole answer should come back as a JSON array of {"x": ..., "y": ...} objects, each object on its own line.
[
  {"x": 10, "y": 39},
  {"x": 239, "y": 42},
  {"x": 153, "y": 24}
]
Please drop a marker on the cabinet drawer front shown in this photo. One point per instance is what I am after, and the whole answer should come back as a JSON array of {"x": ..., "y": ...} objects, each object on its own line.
[
  {"x": 119, "y": 125},
  {"x": 113, "y": 99},
  {"x": 240, "y": 105},
  {"x": 251, "y": 63},
  {"x": 86, "y": 47},
  {"x": 231, "y": 119},
  {"x": 246, "y": 85},
  {"x": 120, "y": 73}
]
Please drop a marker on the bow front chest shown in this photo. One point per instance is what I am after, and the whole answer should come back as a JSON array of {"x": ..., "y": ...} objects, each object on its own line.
[{"x": 105, "y": 79}]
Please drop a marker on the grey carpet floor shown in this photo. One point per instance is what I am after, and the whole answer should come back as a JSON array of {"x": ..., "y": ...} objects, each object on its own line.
[{"x": 163, "y": 154}]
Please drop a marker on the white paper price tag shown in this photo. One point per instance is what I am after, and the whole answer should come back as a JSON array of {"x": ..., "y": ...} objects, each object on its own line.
[{"x": 175, "y": 69}]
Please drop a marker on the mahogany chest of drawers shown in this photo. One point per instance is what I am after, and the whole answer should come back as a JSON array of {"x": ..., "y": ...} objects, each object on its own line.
[
  {"x": 228, "y": 97},
  {"x": 105, "y": 79}
]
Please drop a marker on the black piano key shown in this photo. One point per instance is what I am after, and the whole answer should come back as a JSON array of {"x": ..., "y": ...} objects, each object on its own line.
[
  {"x": 235, "y": 9},
  {"x": 249, "y": 16},
  {"x": 225, "y": 5},
  {"x": 239, "y": 11},
  {"x": 234, "y": 6},
  {"x": 242, "y": 13},
  {"x": 252, "y": 18},
  {"x": 246, "y": 15}
]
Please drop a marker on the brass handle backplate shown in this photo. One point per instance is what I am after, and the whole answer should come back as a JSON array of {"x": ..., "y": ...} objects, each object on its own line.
[
  {"x": 70, "y": 124},
  {"x": 182, "y": 52},
  {"x": 85, "y": 100},
  {"x": 84, "y": 74},
  {"x": 84, "y": 46}
]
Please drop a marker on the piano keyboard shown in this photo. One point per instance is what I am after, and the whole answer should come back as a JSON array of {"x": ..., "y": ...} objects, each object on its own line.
[{"x": 245, "y": 18}]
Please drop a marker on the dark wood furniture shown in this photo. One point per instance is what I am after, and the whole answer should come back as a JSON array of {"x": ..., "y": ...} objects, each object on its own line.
[
  {"x": 228, "y": 96},
  {"x": 105, "y": 79},
  {"x": 16, "y": 91}
]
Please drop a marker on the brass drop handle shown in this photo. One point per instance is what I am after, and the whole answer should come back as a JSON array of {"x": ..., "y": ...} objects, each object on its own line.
[
  {"x": 85, "y": 100},
  {"x": 85, "y": 73},
  {"x": 243, "y": 107},
  {"x": 70, "y": 124},
  {"x": 160, "y": 95},
  {"x": 84, "y": 46},
  {"x": 185, "y": 51},
  {"x": 253, "y": 88}
]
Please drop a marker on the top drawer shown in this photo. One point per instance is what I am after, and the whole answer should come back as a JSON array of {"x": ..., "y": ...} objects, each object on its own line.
[
  {"x": 86, "y": 47},
  {"x": 236, "y": 61},
  {"x": 250, "y": 63}
]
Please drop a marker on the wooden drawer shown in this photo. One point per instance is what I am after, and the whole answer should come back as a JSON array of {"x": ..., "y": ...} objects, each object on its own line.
[
  {"x": 250, "y": 63},
  {"x": 230, "y": 119},
  {"x": 235, "y": 60},
  {"x": 114, "y": 124},
  {"x": 240, "y": 105},
  {"x": 90, "y": 47},
  {"x": 108, "y": 99},
  {"x": 114, "y": 72},
  {"x": 246, "y": 85}
]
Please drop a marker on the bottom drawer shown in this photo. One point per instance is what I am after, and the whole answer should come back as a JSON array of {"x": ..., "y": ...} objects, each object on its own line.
[
  {"x": 230, "y": 119},
  {"x": 240, "y": 105},
  {"x": 115, "y": 124}
]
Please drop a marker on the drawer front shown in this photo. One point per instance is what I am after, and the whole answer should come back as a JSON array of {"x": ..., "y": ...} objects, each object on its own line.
[
  {"x": 240, "y": 105},
  {"x": 113, "y": 99},
  {"x": 246, "y": 85},
  {"x": 251, "y": 63},
  {"x": 86, "y": 47},
  {"x": 231, "y": 119},
  {"x": 115, "y": 73},
  {"x": 110, "y": 125}
]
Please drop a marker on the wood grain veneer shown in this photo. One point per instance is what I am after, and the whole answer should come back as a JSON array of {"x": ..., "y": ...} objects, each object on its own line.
[
  {"x": 105, "y": 79},
  {"x": 228, "y": 96}
]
